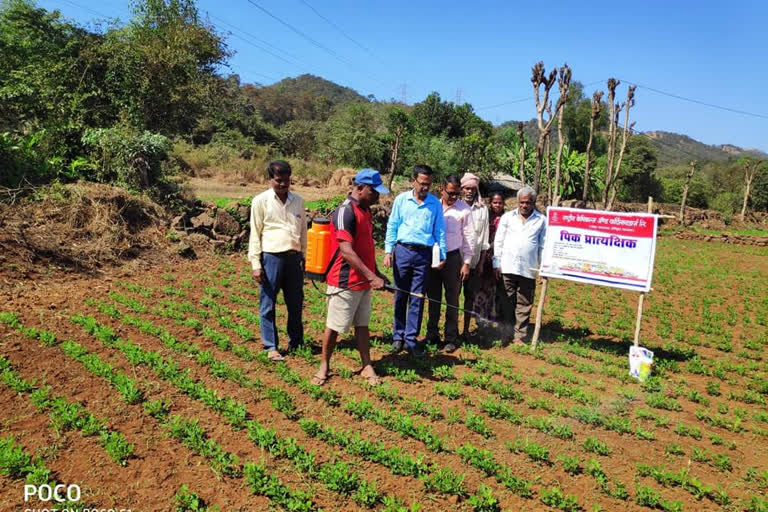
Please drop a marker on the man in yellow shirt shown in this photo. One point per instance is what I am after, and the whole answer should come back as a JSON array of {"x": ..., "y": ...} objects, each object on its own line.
[{"x": 276, "y": 249}]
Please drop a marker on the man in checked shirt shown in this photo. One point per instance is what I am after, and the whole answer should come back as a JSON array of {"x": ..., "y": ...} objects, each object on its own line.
[{"x": 459, "y": 246}]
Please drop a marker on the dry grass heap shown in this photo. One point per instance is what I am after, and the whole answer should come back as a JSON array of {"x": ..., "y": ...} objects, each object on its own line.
[{"x": 80, "y": 226}]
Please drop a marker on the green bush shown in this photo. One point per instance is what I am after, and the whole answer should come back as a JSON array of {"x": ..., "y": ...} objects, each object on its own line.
[
  {"x": 298, "y": 138},
  {"x": 727, "y": 202},
  {"x": 126, "y": 157},
  {"x": 699, "y": 191},
  {"x": 20, "y": 160}
]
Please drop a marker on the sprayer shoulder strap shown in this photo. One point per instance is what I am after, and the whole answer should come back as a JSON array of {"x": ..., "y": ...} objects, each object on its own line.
[{"x": 330, "y": 263}]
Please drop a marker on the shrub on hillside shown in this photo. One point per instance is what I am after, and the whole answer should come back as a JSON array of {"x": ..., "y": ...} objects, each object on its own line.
[
  {"x": 727, "y": 202},
  {"x": 126, "y": 157},
  {"x": 699, "y": 191},
  {"x": 19, "y": 159}
]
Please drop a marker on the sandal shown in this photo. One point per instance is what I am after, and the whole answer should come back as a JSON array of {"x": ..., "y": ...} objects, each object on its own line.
[
  {"x": 274, "y": 355},
  {"x": 373, "y": 380},
  {"x": 318, "y": 380}
]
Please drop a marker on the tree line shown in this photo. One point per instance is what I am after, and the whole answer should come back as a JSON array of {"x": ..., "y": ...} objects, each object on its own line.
[{"x": 115, "y": 102}]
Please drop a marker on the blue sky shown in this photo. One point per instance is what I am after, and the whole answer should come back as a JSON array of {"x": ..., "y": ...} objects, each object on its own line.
[{"x": 713, "y": 52}]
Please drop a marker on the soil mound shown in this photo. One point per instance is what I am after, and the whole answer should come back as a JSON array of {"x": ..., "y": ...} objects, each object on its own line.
[
  {"x": 80, "y": 226},
  {"x": 342, "y": 178}
]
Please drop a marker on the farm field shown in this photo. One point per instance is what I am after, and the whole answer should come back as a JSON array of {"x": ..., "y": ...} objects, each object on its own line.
[{"x": 150, "y": 392}]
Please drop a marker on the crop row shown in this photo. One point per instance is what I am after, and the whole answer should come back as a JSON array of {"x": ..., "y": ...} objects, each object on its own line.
[
  {"x": 621, "y": 426},
  {"x": 187, "y": 431},
  {"x": 67, "y": 415}
]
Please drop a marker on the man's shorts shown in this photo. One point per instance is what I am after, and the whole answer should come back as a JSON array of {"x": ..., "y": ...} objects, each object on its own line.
[{"x": 347, "y": 308}]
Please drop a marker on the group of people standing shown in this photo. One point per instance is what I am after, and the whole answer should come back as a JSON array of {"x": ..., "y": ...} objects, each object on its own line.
[{"x": 434, "y": 246}]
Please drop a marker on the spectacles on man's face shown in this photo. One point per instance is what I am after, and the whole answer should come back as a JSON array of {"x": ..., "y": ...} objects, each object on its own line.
[
  {"x": 452, "y": 194},
  {"x": 424, "y": 184}
]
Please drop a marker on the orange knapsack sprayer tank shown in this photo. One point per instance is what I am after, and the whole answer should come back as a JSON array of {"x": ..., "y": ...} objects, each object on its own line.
[{"x": 319, "y": 255}]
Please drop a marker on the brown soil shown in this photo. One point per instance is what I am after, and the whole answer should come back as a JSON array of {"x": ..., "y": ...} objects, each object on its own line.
[
  {"x": 223, "y": 186},
  {"x": 97, "y": 230},
  {"x": 162, "y": 465}
]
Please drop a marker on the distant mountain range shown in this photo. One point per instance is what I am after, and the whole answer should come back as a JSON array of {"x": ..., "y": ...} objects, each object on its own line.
[
  {"x": 672, "y": 148},
  {"x": 675, "y": 148}
]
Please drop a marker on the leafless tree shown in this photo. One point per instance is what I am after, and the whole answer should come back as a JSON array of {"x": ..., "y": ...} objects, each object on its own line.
[
  {"x": 563, "y": 83},
  {"x": 548, "y": 154},
  {"x": 685, "y": 190},
  {"x": 540, "y": 78},
  {"x": 521, "y": 138},
  {"x": 751, "y": 168},
  {"x": 613, "y": 164},
  {"x": 597, "y": 107}
]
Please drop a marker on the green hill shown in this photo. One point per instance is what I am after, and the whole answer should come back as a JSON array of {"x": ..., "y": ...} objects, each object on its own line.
[
  {"x": 306, "y": 97},
  {"x": 674, "y": 148},
  {"x": 317, "y": 86}
]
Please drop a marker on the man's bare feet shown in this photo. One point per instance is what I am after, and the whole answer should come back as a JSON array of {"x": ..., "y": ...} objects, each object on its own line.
[{"x": 369, "y": 374}]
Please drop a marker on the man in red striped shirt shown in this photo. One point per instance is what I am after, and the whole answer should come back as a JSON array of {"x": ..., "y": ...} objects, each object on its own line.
[{"x": 353, "y": 273}]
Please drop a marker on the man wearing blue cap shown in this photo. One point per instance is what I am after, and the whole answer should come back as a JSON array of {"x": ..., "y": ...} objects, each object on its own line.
[{"x": 352, "y": 273}]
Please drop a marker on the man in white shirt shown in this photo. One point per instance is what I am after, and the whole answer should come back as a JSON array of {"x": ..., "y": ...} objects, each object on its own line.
[
  {"x": 470, "y": 190},
  {"x": 517, "y": 253},
  {"x": 276, "y": 249}
]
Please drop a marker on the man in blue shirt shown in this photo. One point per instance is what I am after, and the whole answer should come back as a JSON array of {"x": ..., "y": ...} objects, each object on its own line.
[{"x": 415, "y": 225}]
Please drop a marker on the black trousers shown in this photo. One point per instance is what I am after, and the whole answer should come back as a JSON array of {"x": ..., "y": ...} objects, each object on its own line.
[{"x": 448, "y": 278}]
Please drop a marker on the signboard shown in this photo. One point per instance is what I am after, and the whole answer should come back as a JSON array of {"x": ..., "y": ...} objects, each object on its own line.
[{"x": 598, "y": 247}]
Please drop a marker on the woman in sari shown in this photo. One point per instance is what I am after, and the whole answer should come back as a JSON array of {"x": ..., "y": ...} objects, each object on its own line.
[{"x": 486, "y": 303}]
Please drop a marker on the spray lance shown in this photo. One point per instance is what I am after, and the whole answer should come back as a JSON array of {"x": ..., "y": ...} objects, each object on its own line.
[
  {"x": 319, "y": 260},
  {"x": 477, "y": 316}
]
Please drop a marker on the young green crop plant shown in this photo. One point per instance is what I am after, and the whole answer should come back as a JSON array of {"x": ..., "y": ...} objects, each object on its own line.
[
  {"x": 484, "y": 500},
  {"x": 444, "y": 372},
  {"x": 477, "y": 424},
  {"x": 571, "y": 465},
  {"x": 449, "y": 390},
  {"x": 480, "y": 459},
  {"x": 188, "y": 501},
  {"x": 533, "y": 450},
  {"x": 674, "y": 449},
  {"x": 592, "y": 444},
  {"x": 446, "y": 482},
  {"x": 555, "y": 498}
]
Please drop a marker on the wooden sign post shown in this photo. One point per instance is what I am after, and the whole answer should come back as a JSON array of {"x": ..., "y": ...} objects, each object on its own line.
[
  {"x": 539, "y": 309},
  {"x": 545, "y": 283},
  {"x": 641, "y": 300}
]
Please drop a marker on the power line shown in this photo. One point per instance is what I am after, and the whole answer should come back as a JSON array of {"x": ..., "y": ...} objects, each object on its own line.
[
  {"x": 313, "y": 41},
  {"x": 699, "y": 102},
  {"x": 505, "y": 103},
  {"x": 339, "y": 29},
  {"x": 260, "y": 41},
  {"x": 527, "y": 98},
  {"x": 294, "y": 29},
  {"x": 241, "y": 69},
  {"x": 255, "y": 45},
  {"x": 87, "y": 9},
  {"x": 92, "y": 11}
]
